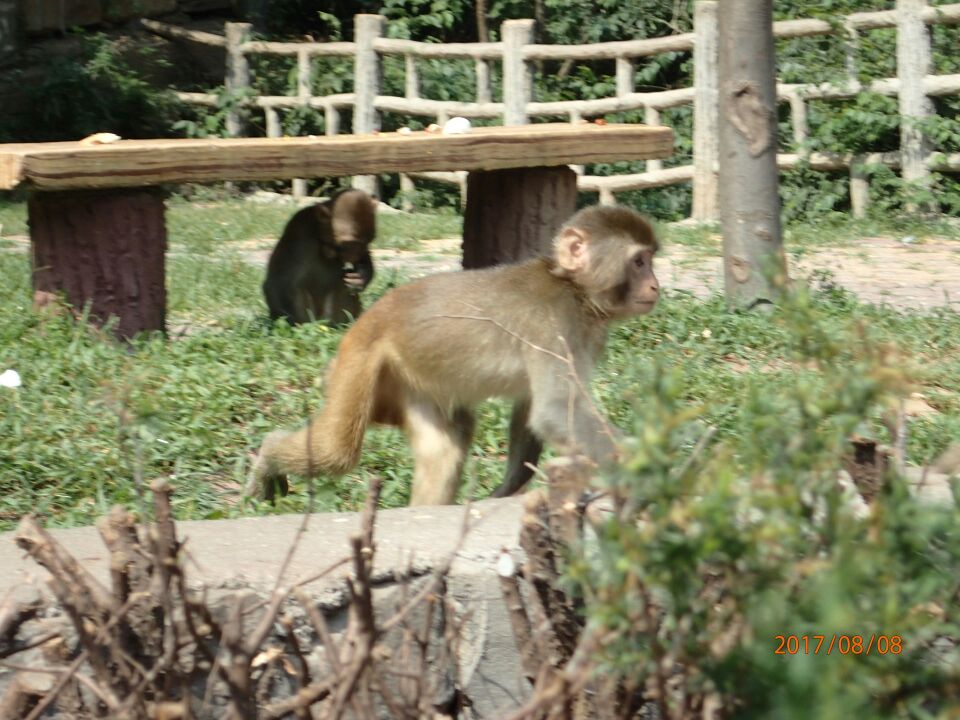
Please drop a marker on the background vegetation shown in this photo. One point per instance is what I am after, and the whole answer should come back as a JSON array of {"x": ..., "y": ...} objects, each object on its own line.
[
  {"x": 723, "y": 545},
  {"x": 122, "y": 86}
]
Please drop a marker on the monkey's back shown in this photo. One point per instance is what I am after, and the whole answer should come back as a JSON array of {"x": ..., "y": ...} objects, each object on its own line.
[{"x": 440, "y": 332}]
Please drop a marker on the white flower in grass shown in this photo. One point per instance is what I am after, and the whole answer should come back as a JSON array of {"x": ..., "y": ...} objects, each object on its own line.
[{"x": 10, "y": 378}]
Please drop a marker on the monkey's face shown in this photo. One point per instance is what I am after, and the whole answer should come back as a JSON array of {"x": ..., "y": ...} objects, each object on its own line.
[
  {"x": 353, "y": 218},
  {"x": 351, "y": 253},
  {"x": 637, "y": 289},
  {"x": 644, "y": 288},
  {"x": 608, "y": 252}
]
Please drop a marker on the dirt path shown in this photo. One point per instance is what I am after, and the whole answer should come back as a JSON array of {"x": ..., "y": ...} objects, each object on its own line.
[
  {"x": 918, "y": 275},
  {"x": 876, "y": 269},
  {"x": 921, "y": 275}
]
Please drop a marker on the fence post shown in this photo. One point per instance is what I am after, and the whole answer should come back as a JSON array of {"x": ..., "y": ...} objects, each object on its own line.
[
  {"x": 304, "y": 75},
  {"x": 273, "y": 122},
  {"x": 517, "y": 77},
  {"x": 859, "y": 187},
  {"x": 411, "y": 90},
  {"x": 850, "y": 51},
  {"x": 651, "y": 117},
  {"x": 706, "y": 152},
  {"x": 798, "y": 121},
  {"x": 481, "y": 69},
  {"x": 625, "y": 76},
  {"x": 238, "y": 71},
  {"x": 304, "y": 92},
  {"x": 913, "y": 65},
  {"x": 366, "y": 85},
  {"x": 331, "y": 120},
  {"x": 411, "y": 85}
]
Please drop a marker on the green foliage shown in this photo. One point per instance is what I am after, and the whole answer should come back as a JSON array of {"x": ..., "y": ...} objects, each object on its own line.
[
  {"x": 607, "y": 20},
  {"x": 213, "y": 123},
  {"x": 719, "y": 549},
  {"x": 98, "y": 91},
  {"x": 867, "y": 123},
  {"x": 426, "y": 18}
]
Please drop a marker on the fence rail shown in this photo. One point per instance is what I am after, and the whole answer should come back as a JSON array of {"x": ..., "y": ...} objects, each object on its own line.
[{"x": 516, "y": 53}]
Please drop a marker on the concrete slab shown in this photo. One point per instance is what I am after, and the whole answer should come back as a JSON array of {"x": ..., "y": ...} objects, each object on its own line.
[
  {"x": 247, "y": 552},
  {"x": 243, "y": 555}
]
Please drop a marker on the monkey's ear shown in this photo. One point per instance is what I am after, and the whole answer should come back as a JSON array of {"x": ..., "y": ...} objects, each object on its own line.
[{"x": 572, "y": 250}]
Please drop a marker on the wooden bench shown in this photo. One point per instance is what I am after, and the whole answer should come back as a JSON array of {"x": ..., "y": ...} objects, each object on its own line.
[{"x": 96, "y": 215}]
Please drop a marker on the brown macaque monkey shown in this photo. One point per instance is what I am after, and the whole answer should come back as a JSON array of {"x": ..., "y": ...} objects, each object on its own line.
[
  {"x": 322, "y": 261},
  {"x": 426, "y": 353}
]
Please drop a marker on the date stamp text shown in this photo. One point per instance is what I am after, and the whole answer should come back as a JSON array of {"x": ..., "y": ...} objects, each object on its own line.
[{"x": 842, "y": 644}]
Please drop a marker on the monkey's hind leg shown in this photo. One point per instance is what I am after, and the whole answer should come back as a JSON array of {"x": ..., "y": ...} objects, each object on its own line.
[
  {"x": 440, "y": 443},
  {"x": 525, "y": 449}
]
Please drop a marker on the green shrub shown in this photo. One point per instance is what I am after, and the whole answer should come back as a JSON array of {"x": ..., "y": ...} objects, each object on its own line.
[
  {"x": 724, "y": 551},
  {"x": 99, "y": 91}
]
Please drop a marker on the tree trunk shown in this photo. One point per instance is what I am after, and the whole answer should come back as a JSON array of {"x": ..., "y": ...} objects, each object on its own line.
[
  {"x": 514, "y": 214},
  {"x": 483, "y": 31},
  {"x": 106, "y": 248},
  {"x": 754, "y": 264}
]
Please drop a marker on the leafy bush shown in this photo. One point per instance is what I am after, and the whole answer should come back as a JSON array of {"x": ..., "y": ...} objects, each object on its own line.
[
  {"x": 721, "y": 553},
  {"x": 99, "y": 91}
]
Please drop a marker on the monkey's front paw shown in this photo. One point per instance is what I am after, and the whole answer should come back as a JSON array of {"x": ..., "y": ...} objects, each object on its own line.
[{"x": 354, "y": 282}]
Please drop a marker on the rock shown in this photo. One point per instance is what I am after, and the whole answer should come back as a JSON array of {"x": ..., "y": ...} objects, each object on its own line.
[{"x": 45, "y": 16}]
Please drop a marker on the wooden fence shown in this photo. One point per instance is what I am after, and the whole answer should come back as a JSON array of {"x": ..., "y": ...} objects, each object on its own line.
[{"x": 516, "y": 53}]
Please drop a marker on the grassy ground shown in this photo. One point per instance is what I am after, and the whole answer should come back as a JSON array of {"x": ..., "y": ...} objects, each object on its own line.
[{"x": 93, "y": 419}]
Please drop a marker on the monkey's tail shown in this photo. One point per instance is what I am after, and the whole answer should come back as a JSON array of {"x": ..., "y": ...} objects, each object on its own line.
[{"x": 330, "y": 444}]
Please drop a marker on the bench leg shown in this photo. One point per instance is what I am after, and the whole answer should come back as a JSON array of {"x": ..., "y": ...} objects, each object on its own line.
[
  {"x": 105, "y": 248},
  {"x": 514, "y": 214}
]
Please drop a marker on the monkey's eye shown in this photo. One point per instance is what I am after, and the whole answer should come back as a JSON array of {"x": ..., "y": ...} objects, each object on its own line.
[{"x": 639, "y": 261}]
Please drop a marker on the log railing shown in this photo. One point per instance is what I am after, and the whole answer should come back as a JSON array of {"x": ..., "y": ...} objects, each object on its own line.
[{"x": 516, "y": 53}]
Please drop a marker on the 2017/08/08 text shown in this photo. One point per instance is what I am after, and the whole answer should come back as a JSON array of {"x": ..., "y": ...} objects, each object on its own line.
[{"x": 843, "y": 644}]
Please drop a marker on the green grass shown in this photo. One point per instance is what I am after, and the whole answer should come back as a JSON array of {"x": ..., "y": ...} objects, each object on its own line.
[
  {"x": 91, "y": 415},
  {"x": 13, "y": 215}
]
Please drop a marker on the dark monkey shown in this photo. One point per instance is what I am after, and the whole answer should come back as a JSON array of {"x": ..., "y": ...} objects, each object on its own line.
[
  {"x": 426, "y": 353},
  {"x": 322, "y": 261}
]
